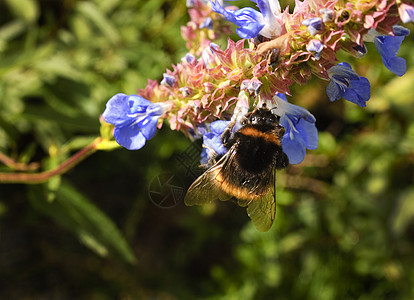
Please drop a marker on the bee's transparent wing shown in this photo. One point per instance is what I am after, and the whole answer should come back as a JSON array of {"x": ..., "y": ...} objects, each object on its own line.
[
  {"x": 207, "y": 188},
  {"x": 262, "y": 212}
]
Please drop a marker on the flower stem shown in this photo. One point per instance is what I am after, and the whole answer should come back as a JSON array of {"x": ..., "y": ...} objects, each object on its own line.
[
  {"x": 35, "y": 178},
  {"x": 16, "y": 165}
]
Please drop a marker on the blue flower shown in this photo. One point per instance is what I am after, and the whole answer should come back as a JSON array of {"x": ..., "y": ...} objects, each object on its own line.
[
  {"x": 406, "y": 11},
  {"x": 189, "y": 58},
  {"x": 207, "y": 23},
  {"x": 347, "y": 84},
  {"x": 250, "y": 21},
  {"x": 328, "y": 14},
  {"x": 168, "y": 80},
  {"x": 212, "y": 141},
  {"x": 301, "y": 132},
  {"x": 314, "y": 25},
  {"x": 388, "y": 46},
  {"x": 315, "y": 46},
  {"x": 135, "y": 119}
]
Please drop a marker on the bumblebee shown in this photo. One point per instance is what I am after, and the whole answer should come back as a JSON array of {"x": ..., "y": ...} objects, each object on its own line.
[{"x": 247, "y": 171}]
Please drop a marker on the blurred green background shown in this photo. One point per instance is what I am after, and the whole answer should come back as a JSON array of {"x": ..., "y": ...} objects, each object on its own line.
[{"x": 345, "y": 226}]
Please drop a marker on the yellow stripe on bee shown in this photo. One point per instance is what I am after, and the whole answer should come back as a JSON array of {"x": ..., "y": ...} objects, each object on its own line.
[
  {"x": 249, "y": 131},
  {"x": 236, "y": 191}
]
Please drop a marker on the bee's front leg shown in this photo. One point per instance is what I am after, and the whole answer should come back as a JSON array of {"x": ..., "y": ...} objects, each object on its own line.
[
  {"x": 280, "y": 131},
  {"x": 226, "y": 136}
]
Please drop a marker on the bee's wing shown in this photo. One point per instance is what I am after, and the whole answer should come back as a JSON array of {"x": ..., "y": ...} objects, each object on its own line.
[
  {"x": 207, "y": 187},
  {"x": 262, "y": 212}
]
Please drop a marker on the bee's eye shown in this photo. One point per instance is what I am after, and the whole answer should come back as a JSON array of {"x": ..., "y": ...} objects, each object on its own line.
[
  {"x": 253, "y": 119},
  {"x": 271, "y": 120}
]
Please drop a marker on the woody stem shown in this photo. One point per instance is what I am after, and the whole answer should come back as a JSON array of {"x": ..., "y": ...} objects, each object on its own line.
[{"x": 35, "y": 178}]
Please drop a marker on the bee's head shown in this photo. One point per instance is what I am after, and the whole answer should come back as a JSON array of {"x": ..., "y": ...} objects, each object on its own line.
[{"x": 263, "y": 116}]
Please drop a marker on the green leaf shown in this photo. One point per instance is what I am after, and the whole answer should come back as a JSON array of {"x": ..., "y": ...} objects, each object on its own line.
[
  {"x": 77, "y": 214},
  {"x": 92, "y": 12},
  {"x": 404, "y": 213},
  {"x": 25, "y": 9}
]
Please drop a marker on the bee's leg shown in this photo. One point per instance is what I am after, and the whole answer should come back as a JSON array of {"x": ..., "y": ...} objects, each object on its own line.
[
  {"x": 280, "y": 131},
  {"x": 226, "y": 135}
]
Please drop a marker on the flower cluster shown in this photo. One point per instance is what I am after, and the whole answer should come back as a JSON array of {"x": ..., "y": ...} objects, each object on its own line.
[{"x": 203, "y": 93}]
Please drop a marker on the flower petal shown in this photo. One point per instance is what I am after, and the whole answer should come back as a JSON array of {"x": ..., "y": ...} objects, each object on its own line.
[
  {"x": 117, "y": 110},
  {"x": 129, "y": 137},
  {"x": 309, "y": 133},
  {"x": 138, "y": 104},
  {"x": 148, "y": 127},
  {"x": 359, "y": 92},
  {"x": 388, "y": 46},
  {"x": 294, "y": 148},
  {"x": 249, "y": 20},
  {"x": 347, "y": 84},
  {"x": 219, "y": 126}
]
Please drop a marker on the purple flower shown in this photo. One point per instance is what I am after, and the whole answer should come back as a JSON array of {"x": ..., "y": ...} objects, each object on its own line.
[
  {"x": 388, "y": 46},
  {"x": 208, "y": 55},
  {"x": 327, "y": 13},
  {"x": 315, "y": 46},
  {"x": 301, "y": 132},
  {"x": 207, "y": 23},
  {"x": 406, "y": 11},
  {"x": 212, "y": 143},
  {"x": 135, "y": 119},
  {"x": 250, "y": 21},
  {"x": 168, "y": 80},
  {"x": 189, "y": 58},
  {"x": 347, "y": 84},
  {"x": 314, "y": 25},
  {"x": 252, "y": 86},
  {"x": 270, "y": 9}
]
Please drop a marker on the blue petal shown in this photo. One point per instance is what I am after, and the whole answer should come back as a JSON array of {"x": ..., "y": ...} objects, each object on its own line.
[
  {"x": 213, "y": 141},
  {"x": 333, "y": 91},
  {"x": 168, "y": 80},
  {"x": 294, "y": 111},
  {"x": 344, "y": 69},
  {"x": 315, "y": 46},
  {"x": 129, "y": 137},
  {"x": 248, "y": 19},
  {"x": 264, "y": 7},
  {"x": 207, "y": 23},
  {"x": 204, "y": 156},
  {"x": 400, "y": 30},
  {"x": 155, "y": 109},
  {"x": 301, "y": 132},
  {"x": 309, "y": 134},
  {"x": 358, "y": 92},
  {"x": 138, "y": 104},
  {"x": 282, "y": 96},
  {"x": 314, "y": 25},
  {"x": 347, "y": 84},
  {"x": 219, "y": 126},
  {"x": 388, "y": 47},
  {"x": 148, "y": 127},
  {"x": 294, "y": 149},
  {"x": 117, "y": 110}
]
